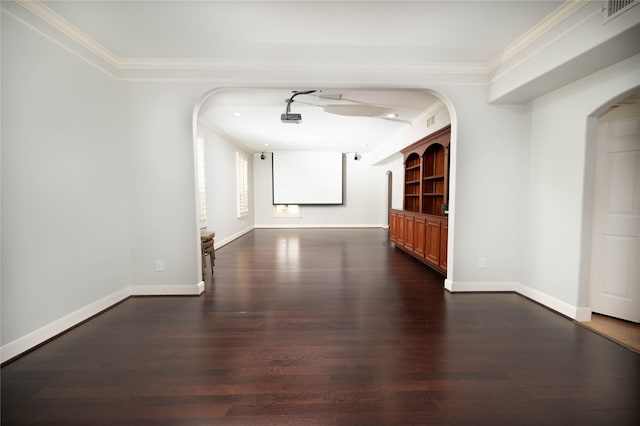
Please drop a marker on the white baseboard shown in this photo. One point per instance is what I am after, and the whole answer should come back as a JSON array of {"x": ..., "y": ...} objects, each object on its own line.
[
  {"x": 23, "y": 344},
  {"x": 217, "y": 244},
  {"x": 41, "y": 335},
  {"x": 321, "y": 225},
  {"x": 167, "y": 290},
  {"x": 583, "y": 314},
  {"x": 573, "y": 312},
  {"x": 479, "y": 286},
  {"x": 37, "y": 337}
]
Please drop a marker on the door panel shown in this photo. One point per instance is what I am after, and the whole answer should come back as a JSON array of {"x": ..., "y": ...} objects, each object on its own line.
[
  {"x": 393, "y": 225},
  {"x": 409, "y": 220},
  {"x": 615, "y": 252},
  {"x": 400, "y": 229},
  {"x": 432, "y": 249},
  {"x": 420, "y": 232}
]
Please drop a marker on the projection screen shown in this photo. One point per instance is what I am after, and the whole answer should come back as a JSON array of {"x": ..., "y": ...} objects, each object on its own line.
[{"x": 307, "y": 178}]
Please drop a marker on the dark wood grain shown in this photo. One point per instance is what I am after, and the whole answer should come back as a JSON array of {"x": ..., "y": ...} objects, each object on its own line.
[{"x": 324, "y": 327}]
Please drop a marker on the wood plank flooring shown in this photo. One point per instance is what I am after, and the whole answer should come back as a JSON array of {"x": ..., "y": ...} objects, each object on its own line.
[
  {"x": 620, "y": 331},
  {"x": 324, "y": 327}
]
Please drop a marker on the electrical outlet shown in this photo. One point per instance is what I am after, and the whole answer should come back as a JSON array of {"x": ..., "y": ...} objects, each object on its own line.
[
  {"x": 482, "y": 263},
  {"x": 159, "y": 266}
]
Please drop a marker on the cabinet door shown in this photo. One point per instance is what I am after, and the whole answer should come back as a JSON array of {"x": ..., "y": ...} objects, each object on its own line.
[
  {"x": 393, "y": 226},
  {"x": 409, "y": 221},
  {"x": 444, "y": 238},
  {"x": 400, "y": 230},
  {"x": 420, "y": 231},
  {"x": 432, "y": 247}
]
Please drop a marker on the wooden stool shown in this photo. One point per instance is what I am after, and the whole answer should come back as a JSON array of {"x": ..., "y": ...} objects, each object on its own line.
[{"x": 206, "y": 243}]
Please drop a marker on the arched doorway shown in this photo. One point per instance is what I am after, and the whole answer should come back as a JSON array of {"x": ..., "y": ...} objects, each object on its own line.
[
  {"x": 389, "y": 195},
  {"x": 227, "y": 228},
  {"x": 614, "y": 285}
]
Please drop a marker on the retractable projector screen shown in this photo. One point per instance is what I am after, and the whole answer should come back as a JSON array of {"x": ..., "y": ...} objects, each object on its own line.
[{"x": 307, "y": 178}]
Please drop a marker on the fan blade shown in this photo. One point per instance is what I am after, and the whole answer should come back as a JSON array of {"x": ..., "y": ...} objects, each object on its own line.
[
  {"x": 397, "y": 120},
  {"x": 361, "y": 110}
]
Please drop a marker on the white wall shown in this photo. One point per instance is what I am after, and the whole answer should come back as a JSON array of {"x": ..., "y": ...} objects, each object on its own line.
[
  {"x": 364, "y": 198},
  {"x": 395, "y": 165},
  {"x": 65, "y": 232},
  {"x": 222, "y": 198},
  {"x": 560, "y": 182},
  {"x": 98, "y": 177},
  {"x": 158, "y": 119},
  {"x": 489, "y": 170}
]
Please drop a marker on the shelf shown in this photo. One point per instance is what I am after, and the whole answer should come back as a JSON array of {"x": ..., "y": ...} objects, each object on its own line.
[
  {"x": 412, "y": 182},
  {"x": 433, "y": 177},
  {"x": 433, "y": 194},
  {"x": 417, "y": 166},
  {"x": 411, "y": 195}
]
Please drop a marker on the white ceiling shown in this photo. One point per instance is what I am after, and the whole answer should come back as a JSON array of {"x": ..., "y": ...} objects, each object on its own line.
[
  {"x": 418, "y": 32},
  {"x": 332, "y": 119},
  {"x": 259, "y": 34}
]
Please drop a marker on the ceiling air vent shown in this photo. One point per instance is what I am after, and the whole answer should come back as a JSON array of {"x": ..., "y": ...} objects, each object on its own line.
[{"x": 616, "y": 7}]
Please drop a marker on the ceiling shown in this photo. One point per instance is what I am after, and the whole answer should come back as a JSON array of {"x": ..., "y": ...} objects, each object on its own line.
[
  {"x": 344, "y": 120},
  {"x": 259, "y": 34}
]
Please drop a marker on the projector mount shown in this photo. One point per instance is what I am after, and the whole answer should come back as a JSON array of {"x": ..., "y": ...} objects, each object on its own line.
[{"x": 288, "y": 116}]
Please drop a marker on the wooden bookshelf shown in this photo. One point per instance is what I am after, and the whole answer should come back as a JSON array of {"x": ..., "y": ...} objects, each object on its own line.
[{"x": 421, "y": 228}]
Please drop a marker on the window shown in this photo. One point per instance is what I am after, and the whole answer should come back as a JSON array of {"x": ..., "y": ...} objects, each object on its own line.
[
  {"x": 242, "y": 184},
  {"x": 202, "y": 189},
  {"x": 286, "y": 210}
]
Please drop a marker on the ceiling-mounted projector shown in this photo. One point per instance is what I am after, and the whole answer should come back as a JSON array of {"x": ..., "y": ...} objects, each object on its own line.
[{"x": 288, "y": 116}]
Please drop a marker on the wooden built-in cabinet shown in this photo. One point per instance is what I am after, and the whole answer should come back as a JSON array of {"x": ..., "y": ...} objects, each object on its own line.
[{"x": 421, "y": 229}]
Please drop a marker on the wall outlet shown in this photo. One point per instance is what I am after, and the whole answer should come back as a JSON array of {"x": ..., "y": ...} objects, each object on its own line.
[
  {"x": 159, "y": 266},
  {"x": 482, "y": 263}
]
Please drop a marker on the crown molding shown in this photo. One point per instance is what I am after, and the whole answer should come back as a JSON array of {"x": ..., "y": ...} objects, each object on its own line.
[
  {"x": 544, "y": 46},
  {"x": 541, "y": 28},
  {"x": 167, "y": 64},
  {"x": 40, "y": 10},
  {"x": 436, "y": 108},
  {"x": 57, "y": 42}
]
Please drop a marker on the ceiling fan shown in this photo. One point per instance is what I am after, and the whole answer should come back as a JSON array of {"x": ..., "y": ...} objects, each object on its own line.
[{"x": 340, "y": 105}]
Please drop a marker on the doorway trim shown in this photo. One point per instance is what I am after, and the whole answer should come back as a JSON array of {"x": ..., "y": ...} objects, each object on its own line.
[
  {"x": 588, "y": 198},
  {"x": 446, "y": 101}
]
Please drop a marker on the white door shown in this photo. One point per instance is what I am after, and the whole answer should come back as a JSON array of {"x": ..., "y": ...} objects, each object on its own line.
[{"x": 615, "y": 248}]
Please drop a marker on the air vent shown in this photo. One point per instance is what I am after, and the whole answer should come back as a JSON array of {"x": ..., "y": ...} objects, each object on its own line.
[
  {"x": 616, "y": 7},
  {"x": 431, "y": 121}
]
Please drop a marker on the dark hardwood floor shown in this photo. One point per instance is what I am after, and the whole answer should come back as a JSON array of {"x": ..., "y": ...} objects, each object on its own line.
[{"x": 327, "y": 327}]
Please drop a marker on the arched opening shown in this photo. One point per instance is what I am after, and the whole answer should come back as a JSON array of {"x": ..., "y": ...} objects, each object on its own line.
[
  {"x": 219, "y": 111},
  {"x": 389, "y": 195},
  {"x": 614, "y": 188}
]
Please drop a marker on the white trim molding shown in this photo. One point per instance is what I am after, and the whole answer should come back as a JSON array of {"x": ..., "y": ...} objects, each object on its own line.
[
  {"x": 573, "y": 312},
  {"x": 543, "y": 47},
  {"x": 40, "y": 10},
  {"x": 167, "y": 290},
  {"x": 82, "y": 39},
  {"x": 67, "y": 322},
  {"x": 551, "y": 21},
  {"x": 322, "y": 225},
  {"x": 233, "y": 237},
  {"x": 479, "y": 286},
  {"x": 41, "y": 335}
]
